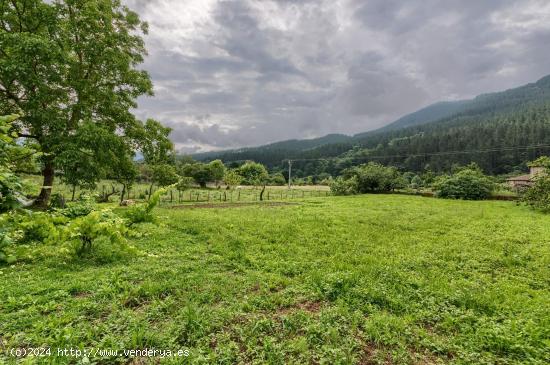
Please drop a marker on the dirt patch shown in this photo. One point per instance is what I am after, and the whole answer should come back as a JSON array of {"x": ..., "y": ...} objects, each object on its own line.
[
  {"x": 82, "y": 295},
  {"x": 231, "y": 205},
  {"x": 371, "y": 355},
  {"x": 312, "y": 307}
]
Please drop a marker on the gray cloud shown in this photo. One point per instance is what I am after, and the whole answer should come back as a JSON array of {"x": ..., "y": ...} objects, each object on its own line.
[{"x": 233, "y": 73}]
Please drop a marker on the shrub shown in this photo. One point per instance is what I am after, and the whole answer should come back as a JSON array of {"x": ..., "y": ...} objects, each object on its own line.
[
  {"x": 468, "y": 184},
  {"x": 57, "y": 201},
  {"x": 416, "y": 182},
  {"x": 81, "y": 233},
  {"x": 373, "y": 177},
  {"x": 342, "y": 186},
  {"x": 143, "y": 213},
  {"x": 538, "y": 195},
  {"x": 5, "y": 241},
  {"x": 82, "y": 207},
  {"x": 277, "y": 179},
  {"x": 38, "y": 227}
]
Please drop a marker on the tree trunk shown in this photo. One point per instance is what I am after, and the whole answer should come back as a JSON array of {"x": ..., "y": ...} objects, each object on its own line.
[
  {"x": 74, "y": 191},
  {"x": 262, "y": 193},
  {"x": 44, "y": 198},
  {"x": 122, "y": 193},
  {"x": 151, "y": 190}
]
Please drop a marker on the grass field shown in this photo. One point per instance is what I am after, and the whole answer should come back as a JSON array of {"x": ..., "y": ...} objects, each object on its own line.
[{"x": 374, "y": 279}]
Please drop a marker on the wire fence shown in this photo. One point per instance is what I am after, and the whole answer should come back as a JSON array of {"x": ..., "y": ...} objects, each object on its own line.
[{"x": 238, "y": 195}]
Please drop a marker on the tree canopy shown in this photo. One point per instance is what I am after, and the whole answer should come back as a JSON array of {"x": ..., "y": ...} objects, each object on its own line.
[{"x": 71, "y": 67}]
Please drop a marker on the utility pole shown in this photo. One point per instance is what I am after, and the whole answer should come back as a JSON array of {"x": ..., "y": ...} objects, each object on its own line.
[{"x": 289, "y": 173}]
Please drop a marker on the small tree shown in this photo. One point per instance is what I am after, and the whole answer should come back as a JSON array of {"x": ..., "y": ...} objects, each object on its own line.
[
  {"x": 253, "y": 173},
  {"x": 164, "y": 175},
  {"x": 184, "y": 183},
  {"x": 79, "y": 170},
  {"x": 198, "y": 171},
  {"x": 217, "y": 171},
  {"x": 125, "y": 173},
  {"x": 232, "y": 179}
]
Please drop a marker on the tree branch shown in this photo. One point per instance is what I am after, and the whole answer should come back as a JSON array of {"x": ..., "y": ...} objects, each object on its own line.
[{"x": 25, "y": 135}]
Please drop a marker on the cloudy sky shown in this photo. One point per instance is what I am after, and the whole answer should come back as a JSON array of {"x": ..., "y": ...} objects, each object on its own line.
[{"x": 239, "y": 73}]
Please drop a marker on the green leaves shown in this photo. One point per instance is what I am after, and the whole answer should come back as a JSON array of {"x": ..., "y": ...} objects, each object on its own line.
[
  {"x": 253, "y": 173},
  {"x": 82, "y": 232},
  {"x": 368, "y": 178},
  {"x": 232, "y": 178},
  {"x": 10, "y": 184},
  {"x": 70, "y": 67},
  {"x": 143, "y": 213},
  {"x": 468, "y": 184},
  {"x": 538, "y": 195}
]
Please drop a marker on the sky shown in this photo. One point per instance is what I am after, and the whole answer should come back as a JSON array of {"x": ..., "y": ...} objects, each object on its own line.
[{"x": 235, "y": 73}]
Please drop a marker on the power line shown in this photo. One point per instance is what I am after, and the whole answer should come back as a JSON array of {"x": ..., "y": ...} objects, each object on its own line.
[{"x": 442, "y": 153}]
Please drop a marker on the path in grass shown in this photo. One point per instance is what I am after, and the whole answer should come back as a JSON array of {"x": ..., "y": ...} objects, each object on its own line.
[{"x": 367, "y": 279}]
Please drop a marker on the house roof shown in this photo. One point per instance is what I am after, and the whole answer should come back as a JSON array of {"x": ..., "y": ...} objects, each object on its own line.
[{"x": 520, "y": 178}]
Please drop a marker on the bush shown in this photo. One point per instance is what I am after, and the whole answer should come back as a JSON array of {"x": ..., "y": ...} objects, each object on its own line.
[
  {"x": 277, "y": 179},
  {"x": 82, "y": 207},
  {"x": 143, "y": 213},
  {"x": 469, "y": 184},
  {"x": 39, "y": 227},
  {"x": 416, "y": 182},
  {"x": 5, "y": 241},
  {"x": 341, "y": 186},
  {"x": 57, "y": 201},
  {"x": 373, "y": 177},
  {"x": 538, "y": 195},
  {"x": 81, "y": 233}
]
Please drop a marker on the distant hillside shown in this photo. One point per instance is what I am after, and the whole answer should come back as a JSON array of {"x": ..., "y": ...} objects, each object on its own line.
[
  {"x": 425, "y": 115},
  {"x": 513, "y": 117},
  {"x": 278, "y": 150}
]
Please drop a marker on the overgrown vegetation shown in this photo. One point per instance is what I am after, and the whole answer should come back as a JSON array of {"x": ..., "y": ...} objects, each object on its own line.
[{"x": 538, "y": 195}]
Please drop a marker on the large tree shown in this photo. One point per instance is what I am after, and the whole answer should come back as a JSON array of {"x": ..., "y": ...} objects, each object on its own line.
[{"x": 68, "y": 65}]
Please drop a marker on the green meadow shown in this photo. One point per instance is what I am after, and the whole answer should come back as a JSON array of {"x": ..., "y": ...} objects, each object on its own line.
[{"x": 371, "y": 279}]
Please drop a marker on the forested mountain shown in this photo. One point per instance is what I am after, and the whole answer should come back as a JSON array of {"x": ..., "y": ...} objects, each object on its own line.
[
  {"x": 278, "y": 151},
  {"x": 425, "y": 115},
  {"x": 430, "y": 138}
]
